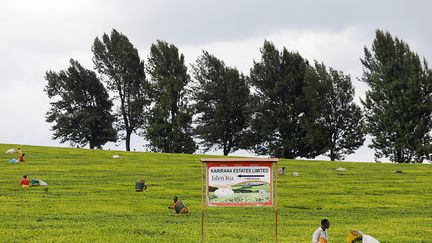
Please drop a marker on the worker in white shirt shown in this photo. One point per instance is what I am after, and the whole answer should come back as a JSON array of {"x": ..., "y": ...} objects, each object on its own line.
[{"x": 320, "y": 235}]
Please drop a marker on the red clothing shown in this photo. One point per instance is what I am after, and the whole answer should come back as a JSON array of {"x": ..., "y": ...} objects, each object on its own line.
[{"x": 24, "y": 182}]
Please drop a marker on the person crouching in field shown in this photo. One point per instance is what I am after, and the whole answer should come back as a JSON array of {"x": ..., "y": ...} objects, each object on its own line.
[
  {"x": 282, "y": 171},
  {"x": 178, "y": 207},
  {"x": 320, "y": 235},
  {"x": 24, "y": 182},
  {"x": 140, "y": 185}
]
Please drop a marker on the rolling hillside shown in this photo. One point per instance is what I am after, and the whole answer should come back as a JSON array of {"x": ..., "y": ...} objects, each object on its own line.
[{"x": 91, "y": 198}]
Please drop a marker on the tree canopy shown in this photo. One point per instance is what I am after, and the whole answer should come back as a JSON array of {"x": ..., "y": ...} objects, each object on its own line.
[
  {"x": 170, "y": 121},
  {"x": 117, "y": 60},
  {"x": 221, "y": 96},
  {"x": 332, "y": 117},
  {"x": 278, "y": 80},
  {"x": 81, "y": 110},
  {"x": 286, "y": 108},
  {"x": 398, "y": 105}
]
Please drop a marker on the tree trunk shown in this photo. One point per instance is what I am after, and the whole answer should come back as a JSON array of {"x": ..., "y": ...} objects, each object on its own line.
[
  {"x": 229, "y": 147},
  {"x": 128, "y": 137},
  {"x": 399, "y": 156},
  {"x": 332, "y": 155},
  {"x": 225, "y": 148}
]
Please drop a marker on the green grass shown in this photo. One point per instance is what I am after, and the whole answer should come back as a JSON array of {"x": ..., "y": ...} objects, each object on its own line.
[{"x": 91, "y": 198}]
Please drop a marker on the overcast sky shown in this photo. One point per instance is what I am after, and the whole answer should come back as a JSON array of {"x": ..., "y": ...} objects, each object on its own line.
[{"x": 42, "y": 35}]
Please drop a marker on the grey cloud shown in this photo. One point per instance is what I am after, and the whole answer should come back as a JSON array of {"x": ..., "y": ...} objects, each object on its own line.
[{"x": 203, "y": 21}]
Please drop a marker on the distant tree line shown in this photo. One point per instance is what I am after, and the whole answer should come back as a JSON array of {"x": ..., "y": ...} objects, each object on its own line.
[{"x": 287, "y": 107}]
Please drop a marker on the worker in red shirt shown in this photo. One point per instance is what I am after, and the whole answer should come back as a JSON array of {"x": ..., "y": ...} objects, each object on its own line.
[{"x": 24, "y": 182}]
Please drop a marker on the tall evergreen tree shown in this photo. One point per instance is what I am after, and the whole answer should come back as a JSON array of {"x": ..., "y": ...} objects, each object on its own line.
[
  {"x": 221, "y": 98},
  {"x": 117, "y": 60},
  {"x": 169, "y": 127},
  {"x": 332, "y": 117},
  {"x": 81, "y": 110},
  {"x": 399, "y": 103},
  {"x": 278, "y": 79}
]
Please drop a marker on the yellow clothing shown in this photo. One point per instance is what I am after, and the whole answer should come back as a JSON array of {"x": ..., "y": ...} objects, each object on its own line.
[
  {"x": 20, "y": 156},
  {"x": 354, "y": 236},
  {"x": 184, "y": 211}
]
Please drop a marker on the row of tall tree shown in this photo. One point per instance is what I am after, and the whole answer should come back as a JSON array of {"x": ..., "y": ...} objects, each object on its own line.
[{"x": 286, "y": 107}]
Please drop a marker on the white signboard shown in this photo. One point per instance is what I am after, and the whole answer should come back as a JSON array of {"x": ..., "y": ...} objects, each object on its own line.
[{"x": 239, "y": 184}]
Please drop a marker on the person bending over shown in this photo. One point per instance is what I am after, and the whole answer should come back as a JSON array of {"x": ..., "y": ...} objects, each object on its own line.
[
  {"x": 140, "y": 185},
  {"x": 178, "y": 206}
]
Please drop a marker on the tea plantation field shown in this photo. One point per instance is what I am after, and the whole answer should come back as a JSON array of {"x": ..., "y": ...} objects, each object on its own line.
[{"x": 91, "y": 198}]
